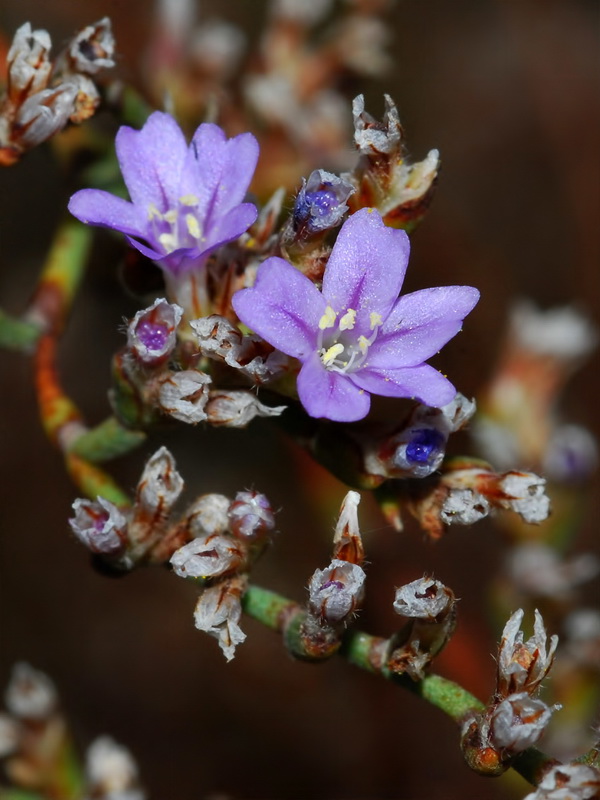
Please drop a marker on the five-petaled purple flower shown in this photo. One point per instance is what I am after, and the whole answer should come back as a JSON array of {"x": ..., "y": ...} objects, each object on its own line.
[
  {"x": 356, "y": 337},
  {"x": 185, "y": 200}
]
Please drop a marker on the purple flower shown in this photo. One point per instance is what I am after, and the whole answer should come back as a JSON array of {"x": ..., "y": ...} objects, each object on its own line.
[
  {"x": 185, "y": 200},
  {"x": 356, "y": 337}
]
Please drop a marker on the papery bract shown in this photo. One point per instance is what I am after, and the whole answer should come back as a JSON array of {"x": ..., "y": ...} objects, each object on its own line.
[{"x": 356, "y": 337}]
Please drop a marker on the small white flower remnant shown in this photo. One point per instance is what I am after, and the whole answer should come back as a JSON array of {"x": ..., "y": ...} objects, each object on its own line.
[
  {"x": 522, "y": 666},
  {"x": 525, "y": 493},
  {"x": 519, "y": 721},
  {"x": 30, "y": 695},
  {"x": 208, "y": 557},
  {"x": 347, "y": 542},
  {"x": 216, "y": 47},
  {"x": 160, "y": 485},
  {"x": 111, "y": 771},
  {"x": 372, "y": 137},
  {"x": 539, "y": 570},
  {"x": 236, "y": 408},
  {"x": 568, "y": 782},
  {"x": 218, "y": 613},
  {"x": 251, "y": 516},
  {"x": 208, "y": 515},
  {"x": 425, "y": 599},
  {"x": 152, "y": 333},
  {"x": 336, "y": 591},
  {"x": 184, "y": 395},
  {"x": 562, "y": 333},
  {"x": 91, "y": 50},
  {"x": 463, "y": 507},
  {"x": 100, "y": 526}
]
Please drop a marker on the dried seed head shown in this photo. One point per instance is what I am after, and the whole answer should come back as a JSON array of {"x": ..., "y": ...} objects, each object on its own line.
[
  {"x": 519, "y": 721},
  {"x": 100, "y": 526},
  {"x": 251, "y": 516},
  {"x": 152, "y": 333},
  {"x": 218, "y": 613},
  {"x": 237, "y": 408},
  {"x": 208, "y": 515},
  {"x": 30, "y": 695},
  {"x": 522, "y": 666},
  {"x": 208, "y": 557},
  {"x": 184, "y": 395},
  {"x": 336, "y": 591},
  {"x": 424, "y": 598},
  {"x": 160, "y": 484}
]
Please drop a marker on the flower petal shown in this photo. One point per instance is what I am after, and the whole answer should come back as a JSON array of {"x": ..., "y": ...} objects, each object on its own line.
[
  {"x": 328, "y": 394},
  {"x": 151, "y": 160},
  {"x": 366, "y": 267},
  {"x": 423, "y": 383},
  {"x": 283, "y": 306},
  {"x": 96, "y": 207},
  {"x": 420, "y": 324},
  {"x": 230, "y": 225}
]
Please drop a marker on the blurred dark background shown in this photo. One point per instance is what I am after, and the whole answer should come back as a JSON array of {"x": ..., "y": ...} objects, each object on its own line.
[{"x": 508, "y": 92}]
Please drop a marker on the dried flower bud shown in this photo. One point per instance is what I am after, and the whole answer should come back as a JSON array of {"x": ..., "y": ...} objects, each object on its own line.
[
  {"x": 218, "y": 613},
  {"x": 372, "y": 137},
  {"x": 111, "y": 770},
  {"x": 568, "y": 782},
  {"x": 152, "y": 333},
  {"x": 184, "y": 395},
  {"x": 237, "y": 408},
  {"x": 321, "y": 202},
  {"x": 424, "y": 598},
  {"x": 44, "y": 113},
  {"x": 519, "y": 721},
  {"x": 524, "y": 493},
  {"x": 522, "y": 666},
  {"x": 208, "y": 514},
  {"x": 91, "y": 50},
  {"x": 30, "y": 695},
  {"x": 100, "y": 526},
  {"x": 10, "y": 735},
  {"x": 208, "y": 557},
  {"x": 251, "y": 516},
  {"x": 539, "y": 570},
  {"x": 347, "y": 542},
  {"x": 336, "y": 591},
  {"x": 160, "y": 484},
  {"x": 29, "y": 66}
]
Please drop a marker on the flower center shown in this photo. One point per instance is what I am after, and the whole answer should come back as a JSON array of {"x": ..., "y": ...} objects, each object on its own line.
[
  {"x": 178, "y": 227},
  {"x": 339, "y": 350},
  {"x": 152, "y": 335}
]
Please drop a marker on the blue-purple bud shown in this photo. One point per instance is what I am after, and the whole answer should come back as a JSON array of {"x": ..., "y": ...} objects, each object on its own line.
[
  {"x": 321, "y": 202},
  {"x": 424, "y": 446}
]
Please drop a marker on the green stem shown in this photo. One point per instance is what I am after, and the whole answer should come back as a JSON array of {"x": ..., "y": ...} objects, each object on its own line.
[
  {"x": 16, "y": 334},
  {"x": 106, "y": 441}
]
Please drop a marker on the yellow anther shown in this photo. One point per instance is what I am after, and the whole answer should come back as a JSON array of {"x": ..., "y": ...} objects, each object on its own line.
[
  {"x": 153, "y": 212},
  {"x": 170, "y": 216},
  {"x": 363, "y": 344},
  {"x": 348, "y": 320},
  {"x": 193, "y": 226},
  {"x": 189, "y": 200},
  {"x": 375, "y": 320},
  {"x": 328, "y": 319},
  {"x": 168, "y": 241},
  {"x": 330, "y": 355}
]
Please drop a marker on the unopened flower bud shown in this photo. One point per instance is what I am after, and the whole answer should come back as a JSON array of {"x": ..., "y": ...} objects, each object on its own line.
[
  {"x": 336, "y": 591},
  {"x": 30, "y": 695},
  {"x": 160, "y": 484},
  {"x": 347, "y": 541},
  {"x": 29, "y": 66},
  {"x": 92, "y": 49},
  {"x": 208, "y": 557},
  {"x": 424, "y": 598},
  {"x": 321, "y": 202},
  {"x": 420, "y": 451},
  {"x": 524, "y": 492},
  {"x": 184, "y": 395},
  {"x": 251, "y": 516},
  {"x": 218, "y": 612},
  {"x": 237, "y": 408},
  {"x": 208, "y": 514},
  {"x": 111, "y": 769},
  {"x": 522, "y": 666},
  {"x": 568, "y": 782},
  {"x": 152, "y": 333},
  {"x": 45, "y": 113},
  {"x": 519, "y": 721},
  {"x": 100, "y": 526}
]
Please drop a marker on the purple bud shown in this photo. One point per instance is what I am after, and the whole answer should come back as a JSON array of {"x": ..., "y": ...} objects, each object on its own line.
[
  {"x": 251, "y": 515},
  {"x": 321, "y": 202},
  {"x": 100, "y": 526},
  {"x": 424, "y": 446},
  {"x": 335, "y": 592},
  {"x": 152, "y": 333}
]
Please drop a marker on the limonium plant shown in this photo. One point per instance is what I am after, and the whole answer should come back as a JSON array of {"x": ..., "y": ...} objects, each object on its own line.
[{"x": 278, "y": 295}]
